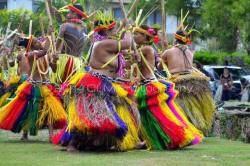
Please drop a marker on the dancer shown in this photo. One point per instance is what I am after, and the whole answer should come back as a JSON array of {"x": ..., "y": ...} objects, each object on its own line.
[
  {"x": 195, "y": 96},
  {"x": 36, "y": 101},
  {"x": 163, "y": 124},
  {"x": 102, "y": 112},
  {"x": 70, "y": 44}
]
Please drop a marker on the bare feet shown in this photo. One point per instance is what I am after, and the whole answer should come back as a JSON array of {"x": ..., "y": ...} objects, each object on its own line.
[
  {"x": 72, "y": 149},
  {"x": 141, "y": 145},
  {"x": 25, "y": 136}
]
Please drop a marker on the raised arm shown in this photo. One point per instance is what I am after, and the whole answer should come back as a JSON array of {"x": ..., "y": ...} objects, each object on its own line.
[{"x": 113, "y": 45}]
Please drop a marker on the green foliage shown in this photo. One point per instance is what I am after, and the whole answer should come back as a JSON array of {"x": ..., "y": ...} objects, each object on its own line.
[
  {"x": 218, "y": 58},
  {"x": 16, "y": 16},
  {"x": 217, "y": 22},
  {"x": 240, "y": 17}
]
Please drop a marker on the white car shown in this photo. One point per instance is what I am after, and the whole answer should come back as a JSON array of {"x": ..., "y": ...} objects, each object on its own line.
[{"x": 237, "y": 73}]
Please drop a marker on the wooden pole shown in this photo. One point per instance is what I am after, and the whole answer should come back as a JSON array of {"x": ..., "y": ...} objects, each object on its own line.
[
  {"x": 164, "y": 31},
  {"x": 129, "y": 12},
  {"x": 30, "y": 28},
  {"x": 47, "y": 3},
  {"x": 41, "y": 25},
  {"x": 133, "y": 42}
]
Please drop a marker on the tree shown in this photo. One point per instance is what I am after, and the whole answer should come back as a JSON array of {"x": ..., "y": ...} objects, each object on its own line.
[
  {"x": 241, "y": 18},
  {"x": 217, "y": 22},
  {"x": 15, "y": 16}
]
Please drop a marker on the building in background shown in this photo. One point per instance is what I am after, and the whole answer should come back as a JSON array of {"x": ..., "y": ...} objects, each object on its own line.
[
  {"x": 18, "y": 4},
  {"x": 155, "y": 18}
]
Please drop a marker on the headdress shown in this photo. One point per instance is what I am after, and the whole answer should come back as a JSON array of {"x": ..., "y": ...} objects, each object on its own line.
[
  {"x": 150, "y": 32},
  {"x": 77, "y": 8},
  {"x": 104, "y": 21},
  {"x": 182, "y": 34}
]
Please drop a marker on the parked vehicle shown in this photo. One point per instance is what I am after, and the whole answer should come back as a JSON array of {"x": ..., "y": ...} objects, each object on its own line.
[{"x": 236, "y": 72}]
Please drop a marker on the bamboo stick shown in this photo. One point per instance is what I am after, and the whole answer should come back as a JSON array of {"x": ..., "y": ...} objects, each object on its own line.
[
  {"x": 50, "y": 25},
  {"x": 133, "y": 42},
  {"x": 164, "y": 36},
  {"x": 129, "y": 12}
]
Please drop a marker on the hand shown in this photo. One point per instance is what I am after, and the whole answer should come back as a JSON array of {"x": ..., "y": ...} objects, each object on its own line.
[
  {"x": 136, "y": 57},
  {"x": 11, "y": 62},
  {"x": 55, "y": 58},
  {"x": 50, "y": 29}
]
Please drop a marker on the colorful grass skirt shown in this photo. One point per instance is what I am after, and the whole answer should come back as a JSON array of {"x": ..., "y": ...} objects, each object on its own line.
[
  {"x": 34, "y": 106},
  {"x": 164, "y": 126},
  {"x": 101, "y": 106}
]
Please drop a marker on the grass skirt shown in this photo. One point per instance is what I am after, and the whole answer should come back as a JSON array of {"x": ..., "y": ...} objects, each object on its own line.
[
  {"x": 99, "y": 106},
  {"x": 34, "y": 106},
  {"x": 163, "y": 124},
  {"x": 10, "y": 89},
  {"x": 67, "y": 66},
  {"x": 195, "y": 98},
  {"x": 2, "y": 88}
]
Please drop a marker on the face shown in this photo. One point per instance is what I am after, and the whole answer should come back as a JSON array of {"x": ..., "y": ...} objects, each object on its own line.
[
  {"x": 226, "y": 71},
  {"x": 139, "y": 38},
  {"x": 112, "y": 32},
  {"x": 71, "y": 15}
]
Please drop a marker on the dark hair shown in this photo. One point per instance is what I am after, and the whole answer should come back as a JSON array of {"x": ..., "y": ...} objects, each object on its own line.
[
  {"x": 199, "y": 65},
  {"x": 145, "y": 27},
  {"x": 79, "y": 7},
  {"x": 243, "y": 80},
  {"x": 181, "y": 33},
  {"x": 97, "y": 23}
]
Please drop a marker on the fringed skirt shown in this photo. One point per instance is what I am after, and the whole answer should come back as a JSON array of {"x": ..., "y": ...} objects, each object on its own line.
[
  {"x": 67, "y": 66},
  {"x": 34, "y": 106},
  {"x": 2, "y": 88},
  {"x": 163, "y": 124},
  {"x": 195, "y": 98},
  {"x": 100, "y": 107},
  {"x": 10, "y": 88}
]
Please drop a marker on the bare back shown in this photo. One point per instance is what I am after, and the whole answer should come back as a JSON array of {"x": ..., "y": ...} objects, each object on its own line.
[{"x": 178, "y": 59}]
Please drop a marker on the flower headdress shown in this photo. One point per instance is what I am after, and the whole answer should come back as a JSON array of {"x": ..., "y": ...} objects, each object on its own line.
[{"x": 149, "y": 32}]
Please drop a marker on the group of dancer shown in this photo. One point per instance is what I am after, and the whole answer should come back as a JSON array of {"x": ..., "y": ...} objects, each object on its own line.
[{"x": 124, "y": 95}]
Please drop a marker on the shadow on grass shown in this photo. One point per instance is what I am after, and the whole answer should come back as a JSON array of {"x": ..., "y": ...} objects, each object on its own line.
[
  {"x": 119, "y": 153},
  {"x": 26, "y": 142}
]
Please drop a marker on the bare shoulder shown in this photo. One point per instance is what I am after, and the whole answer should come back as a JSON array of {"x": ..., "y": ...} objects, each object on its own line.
[
  {"x": 108, "y": 44},
  {"x": 168, "y": 51},
  {"x": 147, "y": 49}
]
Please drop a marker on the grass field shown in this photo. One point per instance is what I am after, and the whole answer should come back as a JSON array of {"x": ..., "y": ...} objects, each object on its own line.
[{"x": 38, "y": 152}]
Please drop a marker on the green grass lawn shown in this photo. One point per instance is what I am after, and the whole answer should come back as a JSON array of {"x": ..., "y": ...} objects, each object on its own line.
[{"x": 38, "y": 152}]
